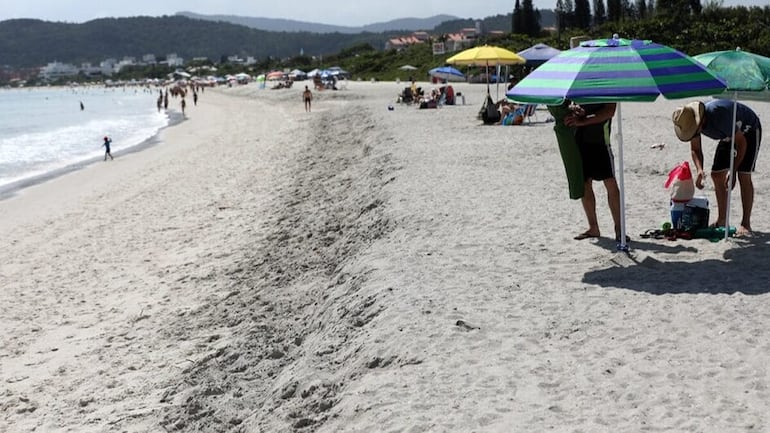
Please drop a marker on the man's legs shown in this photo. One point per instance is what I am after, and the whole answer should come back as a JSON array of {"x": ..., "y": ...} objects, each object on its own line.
[
  {"x": 747, "y": 200},
  {"x": 613, "y": 200},
  {"x": 720, "y": 189},
  {"x": 589, "y": 207}
]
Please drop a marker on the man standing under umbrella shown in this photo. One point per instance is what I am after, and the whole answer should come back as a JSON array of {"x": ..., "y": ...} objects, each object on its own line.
[
  {"x": 715, "y": 120},
  {"x": 592, "y": 134}
]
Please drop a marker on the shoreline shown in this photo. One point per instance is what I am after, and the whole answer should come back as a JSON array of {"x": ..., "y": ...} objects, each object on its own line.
[{"x": 16, "y": 187}]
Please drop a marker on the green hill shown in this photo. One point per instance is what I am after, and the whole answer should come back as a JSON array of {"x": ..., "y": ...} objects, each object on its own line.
[
  {"x": 31, "y": 43},
  {"x": 28, "y": 43}
]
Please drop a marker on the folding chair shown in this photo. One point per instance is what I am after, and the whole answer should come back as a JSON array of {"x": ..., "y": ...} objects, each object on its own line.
[{"x": 527, "y": 111}]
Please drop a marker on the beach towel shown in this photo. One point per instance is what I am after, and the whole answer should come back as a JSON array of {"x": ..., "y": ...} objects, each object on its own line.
[{"x": 568, "y": 148}]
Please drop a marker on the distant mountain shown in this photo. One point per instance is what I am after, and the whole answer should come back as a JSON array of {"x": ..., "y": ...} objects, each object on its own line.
[
  {"x": 284, "y": 25},
  {"x": 29, "y": 43},
  {"x": 32, "y": 43}
]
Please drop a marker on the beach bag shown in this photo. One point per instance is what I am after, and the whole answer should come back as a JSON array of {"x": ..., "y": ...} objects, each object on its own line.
[
  {"x": 680, "y": 183},
  {"x": 489, "y": 113}
]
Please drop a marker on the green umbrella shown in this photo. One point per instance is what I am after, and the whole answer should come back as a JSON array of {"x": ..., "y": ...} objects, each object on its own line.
[
  {"x": 748, "y": 77},
  {"x": 744, "y": 72}
]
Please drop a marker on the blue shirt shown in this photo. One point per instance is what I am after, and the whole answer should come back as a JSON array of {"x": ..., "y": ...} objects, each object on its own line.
[{"x": 719, "y": 119}]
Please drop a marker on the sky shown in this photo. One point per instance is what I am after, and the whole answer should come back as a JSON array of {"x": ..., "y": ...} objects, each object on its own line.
[{"x": 347, "y": 13}]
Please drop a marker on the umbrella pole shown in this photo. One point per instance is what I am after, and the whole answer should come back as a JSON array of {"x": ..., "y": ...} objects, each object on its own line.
[
  {"x": 730, "y": 173},
  {"x": 622, "y": 246}
]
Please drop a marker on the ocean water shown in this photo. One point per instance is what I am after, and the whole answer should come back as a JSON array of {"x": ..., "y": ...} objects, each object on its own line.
[{"x": 44, "y": 130}]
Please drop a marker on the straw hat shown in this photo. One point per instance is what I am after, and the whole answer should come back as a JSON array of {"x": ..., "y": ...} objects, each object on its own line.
[{"x": 687, "y": 120}]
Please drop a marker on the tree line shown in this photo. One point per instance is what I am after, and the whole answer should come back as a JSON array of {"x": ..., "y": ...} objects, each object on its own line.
[{"x": 686, "y": 25}]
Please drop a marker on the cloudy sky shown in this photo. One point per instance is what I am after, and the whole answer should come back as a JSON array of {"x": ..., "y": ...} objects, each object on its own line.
[{"x": 353, "y": 13}]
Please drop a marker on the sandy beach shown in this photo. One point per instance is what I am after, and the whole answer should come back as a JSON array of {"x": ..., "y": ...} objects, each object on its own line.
[{"x": 355, "y": 269}]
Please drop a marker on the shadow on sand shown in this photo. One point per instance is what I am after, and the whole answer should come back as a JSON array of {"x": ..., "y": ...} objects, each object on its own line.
[{"x": 743, "y": 269}]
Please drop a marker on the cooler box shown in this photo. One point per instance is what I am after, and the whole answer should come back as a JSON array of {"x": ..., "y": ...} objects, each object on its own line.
[{"x": 695, "y": 214}]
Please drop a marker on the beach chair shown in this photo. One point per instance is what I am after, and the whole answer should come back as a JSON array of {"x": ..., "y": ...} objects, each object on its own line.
[
  {"x": 527, "y": 111},
  {"x": 406, "y": 96}
]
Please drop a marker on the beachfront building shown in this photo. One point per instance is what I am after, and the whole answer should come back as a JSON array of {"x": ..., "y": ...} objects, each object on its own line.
[
  {"x": 452, "y": 41},
  {"x": 173, "y": 61},
  {"x": 127, "y": 62},
  {"x": 90, "y": 70},
  {"x": 461, "y": 40},
  {"x": 402, "y": 42},
  {"x": 149, "y": 59},
  {"x": 421, "y": 36},
  {"x": 108, "y": 66},
  {"x": 56, "y": 70}
]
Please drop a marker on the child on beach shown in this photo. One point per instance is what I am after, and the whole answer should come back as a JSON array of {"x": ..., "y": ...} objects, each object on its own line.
[
  {"x": 106, "y": 145},
  {"x": 307, "y": 96}
]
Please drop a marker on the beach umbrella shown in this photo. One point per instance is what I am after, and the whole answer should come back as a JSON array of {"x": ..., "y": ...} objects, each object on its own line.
[
  {"x": 538, "y": 54},
  {"x": 297, "y": 74},
  {"x": 447, "y": 73},
  {"x": 407, "y": 68},
  {"x": 275, "y": 75},
  {"x": 616, "y": 70},
  {"x": 747, "y": 76},
  {"x": 486, "y": 55}
]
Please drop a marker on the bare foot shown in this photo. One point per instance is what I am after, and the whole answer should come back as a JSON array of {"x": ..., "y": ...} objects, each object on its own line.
[{"x": 743, "y": 231}]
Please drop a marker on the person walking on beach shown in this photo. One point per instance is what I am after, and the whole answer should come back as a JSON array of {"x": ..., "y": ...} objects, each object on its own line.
[
  {"x": 184, "y": 104},
  {"x": 106, "y": 145},
  {"x": 307, "y": 96},
  {"x": 714, "y": 119},
  {"x": 592, "y": 134}
]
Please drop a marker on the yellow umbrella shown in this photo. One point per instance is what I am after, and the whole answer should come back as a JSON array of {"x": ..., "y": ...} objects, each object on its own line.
[{"x": 486, "y": 55}]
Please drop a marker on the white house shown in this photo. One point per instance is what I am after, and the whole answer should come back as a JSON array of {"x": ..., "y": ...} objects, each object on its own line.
[
  {"x": 56, "y": 70},
  {"x": 174, "y": 61}
]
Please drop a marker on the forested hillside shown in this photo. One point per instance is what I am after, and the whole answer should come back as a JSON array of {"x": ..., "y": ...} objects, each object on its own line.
[
  {"x": 29, "y": 43},
  {"x": 26, "y": 43}
]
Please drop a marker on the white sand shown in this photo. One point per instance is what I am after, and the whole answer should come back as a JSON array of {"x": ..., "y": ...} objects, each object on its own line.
[{"x": 355, "y": 269}]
